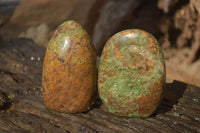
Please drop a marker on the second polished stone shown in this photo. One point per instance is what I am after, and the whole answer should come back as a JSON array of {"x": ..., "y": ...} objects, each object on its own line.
[{"x": 131, "y": 74}]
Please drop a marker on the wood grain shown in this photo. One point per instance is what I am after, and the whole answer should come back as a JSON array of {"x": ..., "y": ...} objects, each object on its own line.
[{"x": 24, "y": 110}]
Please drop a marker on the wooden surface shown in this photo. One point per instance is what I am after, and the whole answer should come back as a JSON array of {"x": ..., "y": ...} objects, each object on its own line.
[{"x": 22, "y": 109}]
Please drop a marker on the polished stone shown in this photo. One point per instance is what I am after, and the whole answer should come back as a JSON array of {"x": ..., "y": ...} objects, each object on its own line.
[
  {"x": 131, "y": 74},
  {"x": 69, "y": 70}
]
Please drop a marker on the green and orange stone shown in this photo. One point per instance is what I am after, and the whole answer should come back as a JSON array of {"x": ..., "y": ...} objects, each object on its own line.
[
  {"x": 69, "y": 71},
  {"x": 131, "y": 74}
]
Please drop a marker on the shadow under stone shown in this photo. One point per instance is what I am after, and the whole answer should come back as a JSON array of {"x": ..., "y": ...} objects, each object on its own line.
[{"x": 171, "y": 94}]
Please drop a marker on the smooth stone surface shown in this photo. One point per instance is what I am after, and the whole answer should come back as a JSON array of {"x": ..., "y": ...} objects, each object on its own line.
[
  {"x": 69, "y": 70},
  {"x": 131, "y": 74}
]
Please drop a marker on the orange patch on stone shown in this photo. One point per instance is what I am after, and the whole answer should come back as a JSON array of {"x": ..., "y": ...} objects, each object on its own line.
[
  {"x": 148, "y": 103},
  {"x": 69, "y": 86}
]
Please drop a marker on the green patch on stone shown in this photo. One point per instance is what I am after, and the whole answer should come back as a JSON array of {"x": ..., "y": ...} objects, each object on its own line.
[{"x": 64, "y": 39}]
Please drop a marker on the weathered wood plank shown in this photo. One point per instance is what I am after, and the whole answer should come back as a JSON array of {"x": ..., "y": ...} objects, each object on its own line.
[{"x": 22, "y": 108}]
